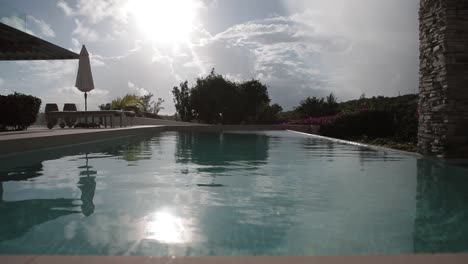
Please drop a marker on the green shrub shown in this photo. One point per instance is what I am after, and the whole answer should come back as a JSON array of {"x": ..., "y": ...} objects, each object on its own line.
[
  {"x": 403, "y": 109},
  {"x": 371, "y": 124},
  {"x": 18, "y": 111}
]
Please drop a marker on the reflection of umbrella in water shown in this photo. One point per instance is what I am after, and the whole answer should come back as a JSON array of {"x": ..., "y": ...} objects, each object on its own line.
[{"x": 87, "y": 185}]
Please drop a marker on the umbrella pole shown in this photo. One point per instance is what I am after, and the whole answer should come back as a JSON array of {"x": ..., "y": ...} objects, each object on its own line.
[{"x": 85, "y": 101}]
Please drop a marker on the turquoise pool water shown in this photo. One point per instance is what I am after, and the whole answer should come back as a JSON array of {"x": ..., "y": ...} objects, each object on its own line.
[{"x": 199, "y": 194}]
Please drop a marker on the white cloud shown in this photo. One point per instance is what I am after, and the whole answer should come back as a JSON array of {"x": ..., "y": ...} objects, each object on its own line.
[
  {"x": 382, "y": 58},
  {"x": 43, "y": 27},
  {"x": 96, "y": 10},
  {"x": 37, "y": 27},
  {"x": 84, "y": 33},
  {"x": 65, "y": 7},
  {"x": 100, "y": 92},
  {"x": 76, "y": 45},
  {"x": 284, "y": 53},
  {"x": 133, "y": 89},
  {"x": 69, "y": 90},
  {"x": 348, "y": 47},
  {"x": 320, "y": 48},
  {"x": 97, "y": 61},
  {"x": 49, "y": 70},
  {"x": 17, "y": 23}
]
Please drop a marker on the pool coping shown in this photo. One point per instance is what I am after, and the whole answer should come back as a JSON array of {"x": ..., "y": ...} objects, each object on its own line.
[
  {"x": 455, "y": 162},
  {"x": 383, "y": 259},
  {"x": 369, "y": 146}
]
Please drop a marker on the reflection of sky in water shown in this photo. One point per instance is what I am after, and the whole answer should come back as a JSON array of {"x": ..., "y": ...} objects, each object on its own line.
[{"x": 282, "y": 194}]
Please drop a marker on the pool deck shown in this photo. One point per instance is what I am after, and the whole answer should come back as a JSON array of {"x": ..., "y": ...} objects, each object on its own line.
[
  {"x": 396, "y": 259},
  {"x": 38, "y": 138}
]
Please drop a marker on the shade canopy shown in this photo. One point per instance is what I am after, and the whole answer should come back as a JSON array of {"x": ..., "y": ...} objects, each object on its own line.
[
  {"x": 84, "y": 78},
  {"x": 18, "y": 45}
]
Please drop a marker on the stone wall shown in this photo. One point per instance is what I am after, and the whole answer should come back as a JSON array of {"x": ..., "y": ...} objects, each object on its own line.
[{"x": 443, "y": 108}]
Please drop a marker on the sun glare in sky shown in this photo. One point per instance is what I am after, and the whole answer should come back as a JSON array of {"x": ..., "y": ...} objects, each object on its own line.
[{"x": 165, "y": 21}]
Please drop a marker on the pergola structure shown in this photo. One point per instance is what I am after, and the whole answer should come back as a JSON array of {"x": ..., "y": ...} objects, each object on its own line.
[{"x": 18, "y": 45}]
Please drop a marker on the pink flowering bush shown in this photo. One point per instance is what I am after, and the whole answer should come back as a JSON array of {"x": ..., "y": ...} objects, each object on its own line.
[{"x": 319, "y": 121}]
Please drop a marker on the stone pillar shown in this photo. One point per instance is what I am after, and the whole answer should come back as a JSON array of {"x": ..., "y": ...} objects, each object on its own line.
[{"x": 443, "y": 87}]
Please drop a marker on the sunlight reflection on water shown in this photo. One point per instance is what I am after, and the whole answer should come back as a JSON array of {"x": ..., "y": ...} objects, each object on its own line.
[{"x": 166, "y": 228}]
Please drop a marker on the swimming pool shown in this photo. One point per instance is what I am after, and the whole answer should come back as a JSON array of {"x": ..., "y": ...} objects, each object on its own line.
[{"x": 229, "y": 194}]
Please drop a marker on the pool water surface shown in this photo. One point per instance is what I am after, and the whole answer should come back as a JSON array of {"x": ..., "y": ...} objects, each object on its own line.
[{"x": 229, "y": 194}]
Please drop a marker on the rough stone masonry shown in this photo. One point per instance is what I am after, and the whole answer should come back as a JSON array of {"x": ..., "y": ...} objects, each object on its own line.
[{"x": 443, "y": 87}]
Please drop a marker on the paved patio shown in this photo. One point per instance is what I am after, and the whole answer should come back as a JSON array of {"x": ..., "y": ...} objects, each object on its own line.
[
  {"x": 40, "y": 138},
  {"x": 45, "y": 132}
]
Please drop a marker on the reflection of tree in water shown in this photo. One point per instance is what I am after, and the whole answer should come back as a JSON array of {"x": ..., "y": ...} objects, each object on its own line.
[
  {"x": 442, "y": 208},
  {"x": 255, "y": 227},
  {"x": 134, "y": 149},
  {"x": 22, "y": 173},
  {"x": 221, "y": 152},
  {"x": 318, "y": 148}
]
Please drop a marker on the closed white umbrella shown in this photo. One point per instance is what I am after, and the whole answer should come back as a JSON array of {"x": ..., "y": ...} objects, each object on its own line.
[{"x": 84, "y": 78}]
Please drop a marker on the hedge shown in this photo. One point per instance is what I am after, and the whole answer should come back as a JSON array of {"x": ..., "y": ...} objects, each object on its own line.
[
  {"x": 372, "y": 124},
  {"x": 18, "y": 111}
]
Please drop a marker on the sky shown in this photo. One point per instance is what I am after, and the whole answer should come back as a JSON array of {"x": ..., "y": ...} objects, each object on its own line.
[{"x": 298, "y": 48}]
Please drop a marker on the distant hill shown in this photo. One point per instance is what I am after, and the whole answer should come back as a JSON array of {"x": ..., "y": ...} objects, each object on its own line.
[{"x": 408, "y": 102}]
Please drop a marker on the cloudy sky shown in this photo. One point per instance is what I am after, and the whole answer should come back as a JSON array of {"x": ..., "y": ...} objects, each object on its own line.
[{"x": 299, "y": 48}]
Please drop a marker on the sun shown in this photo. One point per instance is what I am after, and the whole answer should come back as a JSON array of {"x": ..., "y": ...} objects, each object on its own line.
[{"x": 165, "y": 21}]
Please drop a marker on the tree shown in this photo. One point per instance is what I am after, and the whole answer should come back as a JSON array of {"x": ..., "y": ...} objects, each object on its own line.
[
  {"x": 105, "y": 107},
  {"x": 157, "y": 106},
  {"x": 254, "y": 99},
  {"x": 139, "y": 104},
  {"x": 128, "y": 103},
  {"x": 316, "y": 107},
  {"x": 332, "y": 105},
  {"x": 214, "y": 99},
  {"x": 311, "y": 107},
  {"x": 147, "y": 105},
  {"x": 269, "y": 114},
  {"x": 183, "y": 102}
]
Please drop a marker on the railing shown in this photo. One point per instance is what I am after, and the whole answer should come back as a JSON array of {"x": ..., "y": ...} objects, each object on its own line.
[{"x": 124, "y": 118}]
